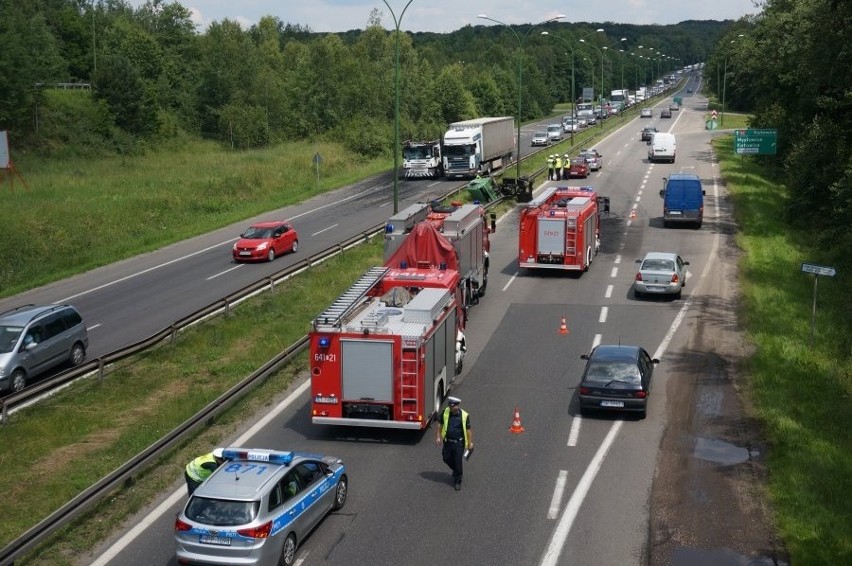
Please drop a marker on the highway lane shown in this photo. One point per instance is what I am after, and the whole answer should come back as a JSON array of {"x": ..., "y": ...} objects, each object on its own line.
[{"x": 402, "y": 508}]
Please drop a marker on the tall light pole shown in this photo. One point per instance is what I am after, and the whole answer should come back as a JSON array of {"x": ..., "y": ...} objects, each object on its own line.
[
  {"x": 573, "y": 95},
  {"x": 600, "y": 96},
  {"x": 606, "y": 47},
  {"x": 396, "y": 144},
  {"x": 520, "y": 39},
  {"x": 724, "y": 82}
]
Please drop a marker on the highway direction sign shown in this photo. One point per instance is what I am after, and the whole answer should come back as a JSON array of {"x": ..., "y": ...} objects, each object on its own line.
[{"x": 756, "y": 142}]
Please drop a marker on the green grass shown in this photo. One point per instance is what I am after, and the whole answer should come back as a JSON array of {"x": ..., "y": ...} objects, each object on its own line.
[
  {"x": 70, "y": 441},
  {"x": 79, "y": 214},
  {"x": 800, "y": 387}
]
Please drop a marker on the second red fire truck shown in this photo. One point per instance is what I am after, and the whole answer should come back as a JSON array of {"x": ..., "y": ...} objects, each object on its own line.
[{"x": 560, "y": 228}]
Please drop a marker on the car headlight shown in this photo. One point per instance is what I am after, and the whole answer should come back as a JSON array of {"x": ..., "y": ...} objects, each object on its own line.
[{"x": 263, "y": 246}]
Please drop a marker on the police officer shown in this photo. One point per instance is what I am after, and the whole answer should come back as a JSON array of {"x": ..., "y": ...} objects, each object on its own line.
[
  {"x": 455, "y": 434},
  {"x": 551, "y": 163},
  {"x": 199, "y": 469},
  {"x": 566, "y": 164},
  {"x": 558, "y": 167}
]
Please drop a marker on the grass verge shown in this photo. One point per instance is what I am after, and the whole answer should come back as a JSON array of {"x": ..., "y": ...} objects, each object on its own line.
[{"x": 799, "y": 384}]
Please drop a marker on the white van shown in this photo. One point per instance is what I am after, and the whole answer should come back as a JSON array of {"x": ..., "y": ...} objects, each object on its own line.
[{"x": 663, "y": 147}]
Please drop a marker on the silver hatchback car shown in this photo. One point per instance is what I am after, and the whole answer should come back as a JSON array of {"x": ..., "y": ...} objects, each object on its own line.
[
  {"x": 35, "y": 339},
  {"x": 258, "y": 507},
  {"x": 660, "y": 273}
]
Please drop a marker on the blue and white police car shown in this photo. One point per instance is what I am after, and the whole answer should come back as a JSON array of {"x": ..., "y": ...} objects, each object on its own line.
[{"x": 258, "y": 506}]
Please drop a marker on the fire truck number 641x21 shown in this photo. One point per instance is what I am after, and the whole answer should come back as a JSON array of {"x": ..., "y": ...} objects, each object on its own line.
[{"x": 321, "y": 357}]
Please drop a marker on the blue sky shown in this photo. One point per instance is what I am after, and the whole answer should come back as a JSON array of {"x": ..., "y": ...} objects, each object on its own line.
[{"x": 444, "y": 16}]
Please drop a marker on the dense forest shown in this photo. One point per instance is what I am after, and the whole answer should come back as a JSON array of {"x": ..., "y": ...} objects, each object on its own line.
[{"x": 148, "y": 73}]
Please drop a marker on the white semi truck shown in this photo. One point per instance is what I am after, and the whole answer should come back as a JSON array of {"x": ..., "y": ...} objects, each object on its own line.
[{"x": 478, "y": 146}]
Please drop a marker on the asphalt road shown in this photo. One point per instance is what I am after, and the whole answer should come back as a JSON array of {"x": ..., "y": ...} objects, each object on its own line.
[{"x": 569, "y": 490}]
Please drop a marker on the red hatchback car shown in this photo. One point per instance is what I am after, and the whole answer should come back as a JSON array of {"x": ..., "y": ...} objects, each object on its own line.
[
  {"x": 266, "y": 240},
  {"x": 579, "y": 168}
]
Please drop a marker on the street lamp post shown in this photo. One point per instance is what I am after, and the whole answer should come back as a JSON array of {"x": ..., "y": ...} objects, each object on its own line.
[
  {"x": 606, "y": 47},
  {"x": 600, "y": 96},
  {"x": 724, "y": 82},
  {"x": 396, "y": 144},
  {"x": 520, "y": 40},
  {"x": 573, "y": 95}
]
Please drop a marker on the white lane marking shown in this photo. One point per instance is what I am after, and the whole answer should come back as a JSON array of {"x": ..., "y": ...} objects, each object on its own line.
[
  {"x": 201, "y": 251},
  {"x": 614, "y": 272},
  {"x": 596, "y": 340},
  {"x": 384, "y": 204},
  {"x": 429, "y": 186},
  {"x": 509, "y": 282},
  {"x": 325, "y": 229},
  {"x": 608, "y": 293},
  {"x": 92, "y": 327},
  {"x": 563, "y": 527},
  {"x": 617, "y": 259},
  {"x": 575, "y": 431},
  {"x": 558, "y": 491},
  {"x": 224, "y": 272},
  {"x": 145, "y": 522},
  {"x": 604, "y": 312}
]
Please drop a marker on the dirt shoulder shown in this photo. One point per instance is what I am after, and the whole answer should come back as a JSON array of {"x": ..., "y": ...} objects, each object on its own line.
[{"x": 708, "y": 501}]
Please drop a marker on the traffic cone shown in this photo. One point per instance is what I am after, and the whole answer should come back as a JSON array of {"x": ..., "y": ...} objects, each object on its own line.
[
  {"x": 516, "y": 427},
  {"x": 563, "y": 328},
  {"x": 632, "y": 214}
]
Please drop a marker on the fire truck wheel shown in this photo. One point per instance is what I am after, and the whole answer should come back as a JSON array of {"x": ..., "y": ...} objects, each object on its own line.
[
  {"x": 288, "y": 552},
  {"x": 340, "y": 493},
  {"x": 588, "y": 258}
]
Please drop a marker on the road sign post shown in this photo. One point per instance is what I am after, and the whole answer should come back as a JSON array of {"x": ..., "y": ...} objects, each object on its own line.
[{"x": 816, "y": 270}]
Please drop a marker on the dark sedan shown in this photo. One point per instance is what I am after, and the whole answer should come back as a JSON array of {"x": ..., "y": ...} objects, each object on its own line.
[{"x": 616, "y": 378}]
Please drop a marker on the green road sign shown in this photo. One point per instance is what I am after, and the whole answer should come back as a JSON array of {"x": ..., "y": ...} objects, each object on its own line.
[{"x": 756, "y": 142}]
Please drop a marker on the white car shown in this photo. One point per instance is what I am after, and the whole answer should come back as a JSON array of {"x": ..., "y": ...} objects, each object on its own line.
[
  {"x": 540, "y": 138},
  {"x": 646, "y": 113},
  {"x": 660, "y": 273},
  {"x": 554, "y": 132},
  {"x": 570, "y": 126}
]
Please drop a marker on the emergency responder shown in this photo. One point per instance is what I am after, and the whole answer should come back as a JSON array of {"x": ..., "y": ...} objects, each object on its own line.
[
  {"x": 199, "y": 469},
  {"x": 455, "y": 434},
  {"x": 558, "y": 171},
  {"x": 551, "y": 163},
  {"x": 566, "y": 164}
]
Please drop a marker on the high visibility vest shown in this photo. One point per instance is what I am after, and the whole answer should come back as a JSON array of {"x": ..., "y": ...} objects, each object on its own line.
[
  {"x": 550, "y": 162},
  {"x": 195, "y": 471},
  {"x": 559, "y": 163},
  {"x": 445, "y": 420}
]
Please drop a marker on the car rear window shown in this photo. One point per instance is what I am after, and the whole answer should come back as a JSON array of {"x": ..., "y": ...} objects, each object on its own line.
[
  {"x": 658, "y": 265},
  {"x": 605, "y": 372},
  {"x": 221, "y": 512}
]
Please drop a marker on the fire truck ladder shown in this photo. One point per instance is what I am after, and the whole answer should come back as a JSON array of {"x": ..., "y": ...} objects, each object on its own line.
[
  {"x": 351, "y": 298},
  {"x": 571, "y": 237},
  {"x": 408, "y": 377}
]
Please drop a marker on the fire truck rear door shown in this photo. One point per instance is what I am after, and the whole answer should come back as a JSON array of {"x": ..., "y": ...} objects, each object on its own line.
[
  {"x": 366, "y": 370},
  {"x": 551, "y": 236}
]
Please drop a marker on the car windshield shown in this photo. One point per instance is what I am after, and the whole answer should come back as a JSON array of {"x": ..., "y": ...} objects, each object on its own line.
[
  {"x": 221, "y": 512},
  {"x": 578, "y": 161},
  {"x": 539, "y": 134},
  {"x": 658, "y": 265},
  {"x": 256, "y": 232},
  {"x": 605, "y": 372},
  {"x": 9, "y": 337}
]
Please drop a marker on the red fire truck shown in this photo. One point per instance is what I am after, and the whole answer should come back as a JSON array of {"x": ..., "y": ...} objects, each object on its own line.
[
  {"x": 386, "y": 352},
  {"x": 560, "y": 228}
]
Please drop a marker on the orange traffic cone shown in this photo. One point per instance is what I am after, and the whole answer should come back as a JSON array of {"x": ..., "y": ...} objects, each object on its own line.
[
  {"x": 632, "y": 214},
  {"x": 516, "y": 427},
  {"x": 563, "y": 328}
]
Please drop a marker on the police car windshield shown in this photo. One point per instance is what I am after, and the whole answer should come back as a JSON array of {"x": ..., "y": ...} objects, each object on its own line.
[
  {"x": 9, "y": 337},
  {"x": 221, "y": 512}
]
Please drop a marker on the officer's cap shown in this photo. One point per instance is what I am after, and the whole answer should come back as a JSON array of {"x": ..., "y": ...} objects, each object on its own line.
[
  {"x": 219, "y": 453},
  {"x": 453, "y": 400}
]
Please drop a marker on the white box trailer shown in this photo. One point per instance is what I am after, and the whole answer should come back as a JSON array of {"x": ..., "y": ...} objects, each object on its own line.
[{"x": 478, "y": 146}]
